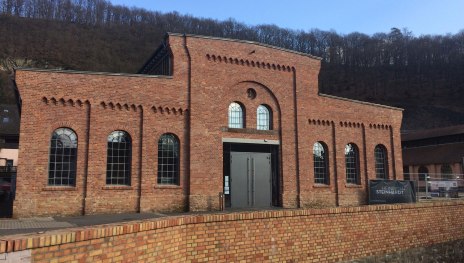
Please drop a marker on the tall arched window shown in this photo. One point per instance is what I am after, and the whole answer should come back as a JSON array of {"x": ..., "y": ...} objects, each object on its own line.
[
  {"x": 446, "y": 171},
  {"x": 381, "y": 162},
  {"x": 423, "y": 172},
  {"x": 264, "y": 118},
  {"x": 63, "y": 157},
  {"x": 168, "y": 159},
  {"x": 352, "y": 164},
  {"x": 320, "y": 158},
  {"x": 119, "y": 155},
  {"x": 236, "y": 115}
]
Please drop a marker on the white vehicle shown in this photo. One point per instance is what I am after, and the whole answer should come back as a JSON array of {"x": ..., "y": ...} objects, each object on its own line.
[{"x": 445, "y": 188}]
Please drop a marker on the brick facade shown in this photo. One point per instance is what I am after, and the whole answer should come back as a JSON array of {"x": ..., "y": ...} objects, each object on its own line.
[
  {"x": 316, "y": 235},
  {"x": 207, "y": 75}
]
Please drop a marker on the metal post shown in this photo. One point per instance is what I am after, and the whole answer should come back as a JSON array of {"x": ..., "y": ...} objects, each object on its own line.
[
  {"x": 221, "y": 201},
  {"x": 426, "y": 186}
]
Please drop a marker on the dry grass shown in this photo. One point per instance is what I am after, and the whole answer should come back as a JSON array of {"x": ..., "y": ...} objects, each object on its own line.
[{"x": 445, "y": 252}]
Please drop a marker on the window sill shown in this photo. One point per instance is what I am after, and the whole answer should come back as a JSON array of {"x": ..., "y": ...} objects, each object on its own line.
[
  {"x": 321, "y": 186},
  {"x": 249, "y": 131},
  {"x": 353, "y": 186},
  {"x": 117, "y": 187},
  {"x": 59, "y": 188},
  {"x": 167, "y": 186}
]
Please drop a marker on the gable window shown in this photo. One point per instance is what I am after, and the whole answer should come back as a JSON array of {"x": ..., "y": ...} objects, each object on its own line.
[
  {"x": 168, "y": 159},
  {"x": 320, "y": 158},
  {"x": 236, "y": 116},
  {"x": 381, "y": 163},
  {"x": 352, "y": 164},
  {"x": 62, "y": 158},
  {"x": 263, "y": 117},
  {"x": 119, "y": 155}
]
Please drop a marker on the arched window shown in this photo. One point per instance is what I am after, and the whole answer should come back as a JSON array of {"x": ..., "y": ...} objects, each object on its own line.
[
  {"x": 446, "y": 171},
  {"x": 63, "y": 157},
  {"x": 320, "y": 157},
  {"x": 423, "y": 172},
  {"x": 236, "y": 115},
  {"x": 381, "y": 162},
  {"x": 352, "y": 164},
  {"x": 168, "y": 159},
  {"x": 119, "y": 155},
  {"x": 264, "y": 118}
]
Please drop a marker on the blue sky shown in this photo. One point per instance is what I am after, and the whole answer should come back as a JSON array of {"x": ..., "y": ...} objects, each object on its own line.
[{"x": 344, "y": 16}]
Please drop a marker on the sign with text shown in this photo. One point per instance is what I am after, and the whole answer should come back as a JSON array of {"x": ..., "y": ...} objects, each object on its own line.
[{"x": 391, "y": 192}]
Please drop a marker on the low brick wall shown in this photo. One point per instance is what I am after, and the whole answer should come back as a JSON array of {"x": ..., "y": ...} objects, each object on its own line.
[{"x": 311, "y": 235}]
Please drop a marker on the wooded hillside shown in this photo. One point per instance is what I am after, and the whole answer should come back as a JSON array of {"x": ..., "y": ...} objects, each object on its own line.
[{"x": 422, "y": 74}]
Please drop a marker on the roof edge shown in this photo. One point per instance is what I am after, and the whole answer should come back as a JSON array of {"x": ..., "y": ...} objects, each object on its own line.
[
  {"x": 360, "y": 102},
  {"x": 93, "y": 73},
  {"x": 411, "y": 135},
  {"x": 246, "y": 42}
]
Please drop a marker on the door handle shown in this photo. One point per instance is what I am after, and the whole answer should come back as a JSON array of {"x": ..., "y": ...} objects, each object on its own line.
[
  {"x": 248, "y": 181},
  {"x": 252, "y": 181}
]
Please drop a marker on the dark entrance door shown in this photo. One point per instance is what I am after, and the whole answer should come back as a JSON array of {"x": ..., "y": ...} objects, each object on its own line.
[
  {"x": 250, "y": 179},
  {"x": 7, "y": 190}
]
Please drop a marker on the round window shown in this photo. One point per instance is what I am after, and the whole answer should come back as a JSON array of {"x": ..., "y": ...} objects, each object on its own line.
[{"x": 251, "y": 93}]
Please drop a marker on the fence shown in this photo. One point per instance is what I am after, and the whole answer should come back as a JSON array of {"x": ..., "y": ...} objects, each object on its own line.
[{"x": 437, "y": 186}]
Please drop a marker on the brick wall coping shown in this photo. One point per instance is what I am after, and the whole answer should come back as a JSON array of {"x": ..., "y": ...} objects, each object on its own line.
[
  {"x": 246, "y": 42},
  {"x": 21, "y": 242},
  {"x": 360, "y": 102},
  {"x": 94, "y": 73}
]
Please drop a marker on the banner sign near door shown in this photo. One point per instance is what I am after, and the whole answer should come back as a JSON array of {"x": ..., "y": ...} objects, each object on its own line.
[{"x": 391, "y": 192}]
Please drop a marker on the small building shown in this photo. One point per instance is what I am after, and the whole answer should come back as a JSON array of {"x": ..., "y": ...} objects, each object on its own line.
[
  {"x": 9, "y": 138},
  {"x": 9, "y": 135},
  {"x": 437, "y": 152},
  {"x": 207, "y": 122}
]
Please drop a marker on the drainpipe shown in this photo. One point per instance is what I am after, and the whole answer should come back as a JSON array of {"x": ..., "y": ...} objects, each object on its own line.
[
  {"x": 139, "y": 183},
  {"x": 188, "y": 123},
  {"x": 334, "y": 143},
  {"x": 295, "y": 106},
  {"x": 86, "y": 161},
  {"x": 392, "y": 155}
]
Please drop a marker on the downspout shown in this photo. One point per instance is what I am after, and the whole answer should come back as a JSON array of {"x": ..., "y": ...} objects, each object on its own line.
[
  {"x": 297, "y": 163},
  {"x": 188, "y": 122},
  {"x": 86, "y": 161},
  {"x": 139, "y": 186},
  {"x": 334, "y": 143},
  {"x": 366, "y": 176},
  {"x": 392, "y": 143}
]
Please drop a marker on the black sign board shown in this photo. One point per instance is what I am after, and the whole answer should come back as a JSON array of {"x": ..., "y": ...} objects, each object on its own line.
[{"x": 391, "y": 192}]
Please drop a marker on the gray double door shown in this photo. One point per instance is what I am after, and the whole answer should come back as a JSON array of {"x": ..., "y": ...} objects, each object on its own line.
[{"x": 250, "y": 179}]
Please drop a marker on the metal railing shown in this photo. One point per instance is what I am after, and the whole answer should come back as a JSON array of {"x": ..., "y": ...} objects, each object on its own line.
[
  {"x": 432, "y": 186},
  {"x": 8, "y": 169}
]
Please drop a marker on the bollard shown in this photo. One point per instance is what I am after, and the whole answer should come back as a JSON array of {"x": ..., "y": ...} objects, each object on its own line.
[{"x": 221, "y": 201}]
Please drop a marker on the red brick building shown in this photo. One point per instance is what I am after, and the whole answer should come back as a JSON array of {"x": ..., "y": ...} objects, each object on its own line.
[
  {"x": 205, "y": 116},
  {"x": 437, "y": 152}
]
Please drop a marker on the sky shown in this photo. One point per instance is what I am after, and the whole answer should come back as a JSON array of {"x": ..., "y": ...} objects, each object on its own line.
[{"x": 422, "y": 17}]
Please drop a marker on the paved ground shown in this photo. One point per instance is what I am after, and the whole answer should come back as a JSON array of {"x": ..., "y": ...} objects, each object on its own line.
[
  {"x": 10, "y": 226},
  {"x": 41, "y": 224}
]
